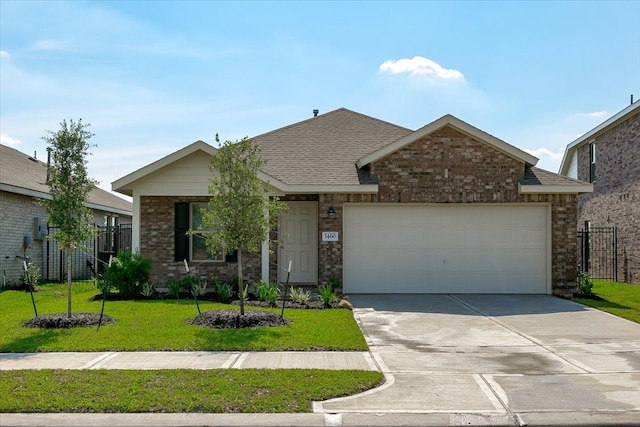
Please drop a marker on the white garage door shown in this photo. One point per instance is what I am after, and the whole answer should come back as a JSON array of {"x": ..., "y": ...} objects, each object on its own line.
[{"x": 446, "y": 249}]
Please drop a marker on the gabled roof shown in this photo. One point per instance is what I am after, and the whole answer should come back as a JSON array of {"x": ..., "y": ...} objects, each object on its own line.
[
  {"x": 448, "y": 120},
  {"x": 540, "y": 181},
  {"x": 125, "y": 184},
  {"x": 23, "y": 174},
  {"x": 323, "y": 150},
  {"x": 613, "y": 121}
]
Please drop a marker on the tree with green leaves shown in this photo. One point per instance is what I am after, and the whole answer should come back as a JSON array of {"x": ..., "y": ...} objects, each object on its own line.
[
  {"x": 240, "y": 213},
  {"x": 69, "y": 186}
]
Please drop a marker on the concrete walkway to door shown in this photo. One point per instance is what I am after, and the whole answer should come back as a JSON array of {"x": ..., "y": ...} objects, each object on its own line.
[{"x": 498, "y": 359}]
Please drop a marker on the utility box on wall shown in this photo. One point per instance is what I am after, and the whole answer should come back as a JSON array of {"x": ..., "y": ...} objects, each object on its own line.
[{"x": 39, "y": 229}]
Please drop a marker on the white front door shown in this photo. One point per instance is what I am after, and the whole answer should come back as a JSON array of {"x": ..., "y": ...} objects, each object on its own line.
[{"x": 299, "y": 243}]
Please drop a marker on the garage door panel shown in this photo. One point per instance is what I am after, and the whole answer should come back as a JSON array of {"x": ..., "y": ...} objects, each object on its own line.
[{"x": 446, "y": 248}]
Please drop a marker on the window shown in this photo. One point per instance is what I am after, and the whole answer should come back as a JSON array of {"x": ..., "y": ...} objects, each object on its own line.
[
  {"x": 592, "y": 158},
  {"x": 192, "y": 247},
  {"x": 197, "y": 245}
]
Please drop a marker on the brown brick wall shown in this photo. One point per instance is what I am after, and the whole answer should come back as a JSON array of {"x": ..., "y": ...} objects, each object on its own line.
[
  {"x": 475, "y": 173},
  {"x": 615, "y": 201},
  {"x": 157, "y": 242},
  {"x": 462, "y": 170}
]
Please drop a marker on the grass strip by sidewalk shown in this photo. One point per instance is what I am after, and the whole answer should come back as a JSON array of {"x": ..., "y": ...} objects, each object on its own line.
[
  {"x": 620, "y": 299},
  {"x": 161, "y": 325},
  {"x": 174, "y": 391}
]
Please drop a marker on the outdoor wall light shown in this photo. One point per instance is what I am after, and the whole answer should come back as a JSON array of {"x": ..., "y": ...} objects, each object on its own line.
[{"x": 331, "y": 212}]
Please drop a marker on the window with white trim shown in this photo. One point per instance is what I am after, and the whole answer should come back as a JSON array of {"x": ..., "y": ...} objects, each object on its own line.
[{"x": 197, "y": 244}]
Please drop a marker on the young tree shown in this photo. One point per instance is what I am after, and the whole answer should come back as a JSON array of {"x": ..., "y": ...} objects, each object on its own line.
[
  {"x": 69, "y": 185},
  {"x": 240, "y": 214}
]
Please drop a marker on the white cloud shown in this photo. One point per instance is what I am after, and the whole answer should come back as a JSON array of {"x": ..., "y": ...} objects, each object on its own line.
[
  {"x": 544, "y": 153},
  {"x": 594, "y": 115},
  {"x": 8, "y": 140},
  {"x": 49, "y": 45},
  {"x": 4, "y": 54},
  {"x": 548, "y": 160},
  {"x": 420, "y": 65}
]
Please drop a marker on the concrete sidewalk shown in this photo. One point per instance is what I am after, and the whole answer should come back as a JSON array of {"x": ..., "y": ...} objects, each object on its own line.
[{"x": 190, "y": 360}]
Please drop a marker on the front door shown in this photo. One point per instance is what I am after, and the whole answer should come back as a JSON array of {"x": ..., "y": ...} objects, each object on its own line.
[{"x": 299, "y": 243}]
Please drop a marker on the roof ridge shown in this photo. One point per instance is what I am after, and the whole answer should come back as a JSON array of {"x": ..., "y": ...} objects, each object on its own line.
[{"x": 324, "y": 116}]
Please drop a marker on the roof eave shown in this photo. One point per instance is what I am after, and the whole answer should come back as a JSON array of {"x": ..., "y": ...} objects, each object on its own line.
[
  {"x": 46, "y": 196},
  {"x": 555, "y": 189},
  {"x": 331, "y": 188},
  {"x": 602, "y": 127}
]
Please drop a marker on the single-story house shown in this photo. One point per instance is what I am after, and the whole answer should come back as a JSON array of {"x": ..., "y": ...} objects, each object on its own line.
[
  {"x": 608, "y": 156},
  {"x": 446, "y": 208},
  {"x": 23, "y": 219}
]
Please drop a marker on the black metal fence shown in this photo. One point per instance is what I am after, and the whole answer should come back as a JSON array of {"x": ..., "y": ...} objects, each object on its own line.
[
  {"x": 86, "y": 263},
  {"x": 598, "y": 252}
]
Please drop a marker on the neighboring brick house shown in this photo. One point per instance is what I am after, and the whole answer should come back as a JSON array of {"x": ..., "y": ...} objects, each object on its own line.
[
  {"x": 23, "y": 218},
  {"x": 447, "y": 208},
  {"x": 609, "y": 157}
]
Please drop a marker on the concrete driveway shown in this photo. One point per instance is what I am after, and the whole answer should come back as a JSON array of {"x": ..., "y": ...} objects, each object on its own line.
[{"x": 498, "y": 359}]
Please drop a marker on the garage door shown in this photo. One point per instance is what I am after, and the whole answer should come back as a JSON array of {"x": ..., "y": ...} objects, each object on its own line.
[{"x": 446, "y": 249}]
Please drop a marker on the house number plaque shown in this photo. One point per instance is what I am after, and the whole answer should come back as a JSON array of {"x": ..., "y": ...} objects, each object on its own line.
[{"x": 329, "y": 236}]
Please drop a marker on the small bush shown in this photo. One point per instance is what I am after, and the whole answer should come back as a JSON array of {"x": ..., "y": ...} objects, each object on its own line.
[
  {"x": 174, "y": 286},
  {"x": 585, "y": 284},
  {"x": 31, "y": 276},
  {"x": 300, "y": 296},
  {"x": 327, "y": 294},
  {"x": 335, "y": 283},
  {"x": 127, "y": 273},
  {"x": 148, "y": 290},
  {"x": 268, "y": 292},
  {"x": 223, "y": 291}
]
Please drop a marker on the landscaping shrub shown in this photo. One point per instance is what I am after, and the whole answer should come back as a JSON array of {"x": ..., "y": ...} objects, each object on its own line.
[
  {"x": 268, "y": 292},
  {"x": 128, "y": 273},
  {"x": 327, "y": 294},
  {"x": 585, "y": 284},
  {"x": 224, "y": 291},
  {"x": 299, "y": 295}
]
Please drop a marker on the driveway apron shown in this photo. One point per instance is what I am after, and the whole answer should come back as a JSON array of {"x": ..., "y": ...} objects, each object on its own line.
[{"x": 515, "y": 357}]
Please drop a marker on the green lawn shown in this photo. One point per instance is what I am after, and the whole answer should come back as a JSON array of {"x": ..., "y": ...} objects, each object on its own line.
[
  {"x": 160, "y": 325},
  {"x": 212, "y": 391},
  {"x": 617, "y": 298}
]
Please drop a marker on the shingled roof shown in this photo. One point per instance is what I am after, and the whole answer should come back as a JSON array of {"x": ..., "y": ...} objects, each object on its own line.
[
  {"x": 324, "y": 150},
  {"x": 23, "y": 174},
  {"x": 538, "y": 180}
]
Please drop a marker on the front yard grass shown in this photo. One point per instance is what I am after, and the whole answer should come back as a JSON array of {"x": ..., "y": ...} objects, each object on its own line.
[
  {"x": 160, "y": 325},
  {"x": 214, "y": 391},
  {"x": 620, "y": 299}
]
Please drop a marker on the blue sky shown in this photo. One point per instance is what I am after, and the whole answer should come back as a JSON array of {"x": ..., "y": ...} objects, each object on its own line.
[{"x": 152, "y": 77}]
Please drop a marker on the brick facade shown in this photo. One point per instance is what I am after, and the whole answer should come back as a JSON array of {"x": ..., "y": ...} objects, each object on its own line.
[
  {"x": 615, "y": 201},
  {"x": 446, "y": 166},
  {"x": 157, "y": 242},
  {"x": 450, "y": 167},
  {"x": 17, "y": 214}
]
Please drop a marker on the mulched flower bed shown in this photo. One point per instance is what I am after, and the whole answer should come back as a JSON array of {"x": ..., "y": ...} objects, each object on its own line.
[
  {"x": 62, "y": 321},
  {"x": 222, "y": 319}
]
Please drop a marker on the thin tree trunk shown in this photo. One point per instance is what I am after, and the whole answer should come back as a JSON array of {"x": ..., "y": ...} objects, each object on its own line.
[
  {"x": 240, "y": 285},
  {"x": 68, "y": 283}
]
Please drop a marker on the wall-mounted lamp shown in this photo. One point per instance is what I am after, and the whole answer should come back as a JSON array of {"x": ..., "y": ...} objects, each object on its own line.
[{"x": 331, "y": 212}]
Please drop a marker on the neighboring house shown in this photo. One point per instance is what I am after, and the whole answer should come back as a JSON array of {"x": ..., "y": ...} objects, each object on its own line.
[
  {"x": 23, "y": 219},
  {"x": 608, "y": 156},
  {"x": 447, "y": 208}
]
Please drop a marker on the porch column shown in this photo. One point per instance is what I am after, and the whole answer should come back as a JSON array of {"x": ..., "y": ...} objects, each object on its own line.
[
  {"x": 265, "y": 255},
  {"x": 135, "y": 224}
]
